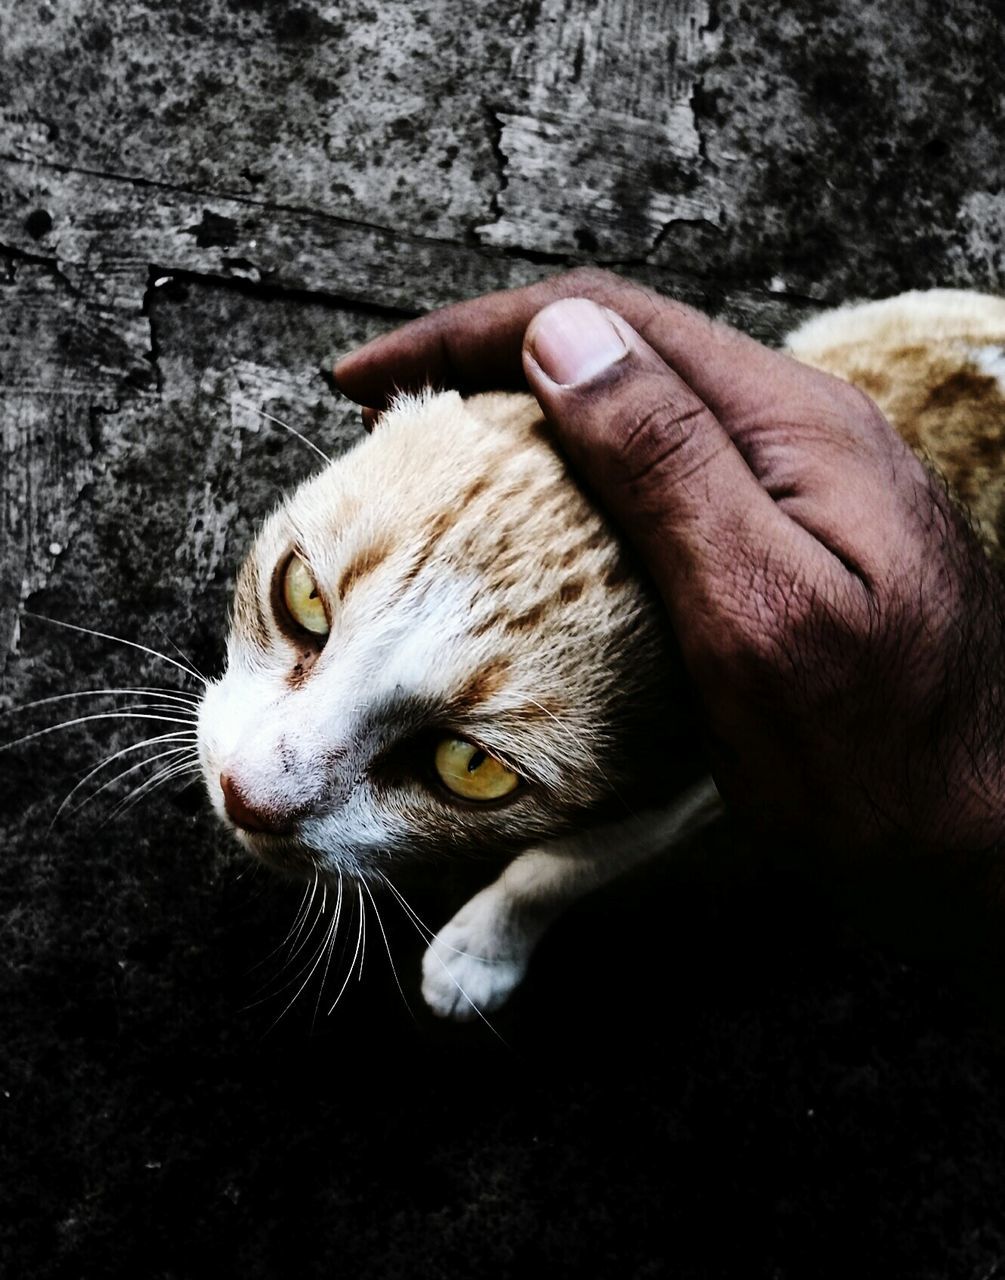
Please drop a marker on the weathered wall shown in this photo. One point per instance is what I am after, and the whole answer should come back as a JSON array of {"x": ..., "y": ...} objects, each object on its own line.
[{"x": 200, "y": 205}]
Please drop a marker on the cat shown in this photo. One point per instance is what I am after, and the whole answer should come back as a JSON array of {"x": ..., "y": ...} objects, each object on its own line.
[
  {"x": 934, "y": 362},
  {"x": 439, "y": 646}
]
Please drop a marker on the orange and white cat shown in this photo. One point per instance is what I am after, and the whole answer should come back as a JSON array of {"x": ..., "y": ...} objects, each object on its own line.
[{"x": 439, "y": 646}]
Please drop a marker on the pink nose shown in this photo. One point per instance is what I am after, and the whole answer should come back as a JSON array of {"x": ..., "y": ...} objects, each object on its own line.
[{"x": 245, "y": 815}]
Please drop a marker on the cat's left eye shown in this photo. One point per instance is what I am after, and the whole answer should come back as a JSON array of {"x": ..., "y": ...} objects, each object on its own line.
[
  {"x": 302, "y": 598},
  {"x": 468, "y": 771}
]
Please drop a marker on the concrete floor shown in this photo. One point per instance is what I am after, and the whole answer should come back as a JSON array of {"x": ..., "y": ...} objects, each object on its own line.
[{"x": 713, "y": 1072}]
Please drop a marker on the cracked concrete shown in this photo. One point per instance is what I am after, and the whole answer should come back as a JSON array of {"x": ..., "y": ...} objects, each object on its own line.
[
  {"x": 200, "y": 206},
  {"x": 48, "y": 393},
  {"x": 599, "y": 147},
  {"x": 352, "y": 113}
]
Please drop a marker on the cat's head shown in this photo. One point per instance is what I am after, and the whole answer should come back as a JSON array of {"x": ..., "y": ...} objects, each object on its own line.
[{"x": 437, "y": 645}]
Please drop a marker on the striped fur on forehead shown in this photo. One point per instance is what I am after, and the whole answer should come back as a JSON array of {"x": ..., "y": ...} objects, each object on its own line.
[
  {"x": 255, "y": 638},
  {"x": 444, "y": 490},
  {"x": 251, "y": 616}
]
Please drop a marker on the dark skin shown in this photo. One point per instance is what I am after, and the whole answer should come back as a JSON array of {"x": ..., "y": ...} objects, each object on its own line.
[{"x": 842, "y": 628}]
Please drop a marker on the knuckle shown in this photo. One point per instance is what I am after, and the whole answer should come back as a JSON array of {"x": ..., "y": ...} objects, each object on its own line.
[
  {"x": 662, "y": 440},
  {"x": 591, "y": 281},
  {"x": 860, "y": 402},
  {"x": 635, "y": 301},
  {"x": 870, "y": 428}
]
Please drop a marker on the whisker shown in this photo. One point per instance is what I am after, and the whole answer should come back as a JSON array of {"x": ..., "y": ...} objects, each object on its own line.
[
  {"x": 182, "y": 654},
  {"x": 135, "y": 746},
  {"x": 315, "y": 961},
  {"x": 181, "y": 717},
  {"x": 177, "y": 769},
  {"x": 242, "y": 404},
  {"x": 126, "y": 713},
  {"x": 338, "y": 901},
  {"x": 299, "y": 920},
  {"x": 362, "y": 917},
  {"x": 110, "y": 782},
  {"x": 158, "y": 780},
  {"x": 330, "y": 949},
  {"x": 300, "y": 946},
  {"x": 104, "y": 635},
  {"x": 352, "y": 962},
  {"x": 423, "y": 931},
  {"x": 329, "y": 935},
  {"x": 267, "y": 993},
  {"x": 387, "y": 945},
  {"x": 423, "y": 928},
  {"x": 186, "y": 700},
  {"x": 581, "y": 746}
]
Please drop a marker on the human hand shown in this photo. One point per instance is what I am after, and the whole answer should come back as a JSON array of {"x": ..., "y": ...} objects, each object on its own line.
[{"x": 840, "y": 624}]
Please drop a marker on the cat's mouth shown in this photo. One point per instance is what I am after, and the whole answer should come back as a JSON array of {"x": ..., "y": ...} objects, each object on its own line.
[
  {"x": 281, "y": 853},
  {"x": 254, "y": 818},
  {"x": 268, "y": 832}
]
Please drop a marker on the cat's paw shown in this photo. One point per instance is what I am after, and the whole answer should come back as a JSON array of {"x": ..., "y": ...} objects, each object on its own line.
[{"x": 474, "y": 963}]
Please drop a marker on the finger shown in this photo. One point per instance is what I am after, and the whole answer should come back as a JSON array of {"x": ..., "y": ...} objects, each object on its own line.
[
  {"x": 477, "y": 345},
  {"x": 722, "y": 554},
  {"x": 819, "y": 448},
  {"x": 470, "y": 346}
]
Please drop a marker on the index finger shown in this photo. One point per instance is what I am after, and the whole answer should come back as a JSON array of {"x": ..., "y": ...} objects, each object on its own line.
[
  {"x": 477, "y": 345},
  {"x": 470, "y": 346}
]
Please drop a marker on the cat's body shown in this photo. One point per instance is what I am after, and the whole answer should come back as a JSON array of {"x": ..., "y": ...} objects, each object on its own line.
[
  {"x": 934, "y": 362},
  {"x": 439, "y": 647}
]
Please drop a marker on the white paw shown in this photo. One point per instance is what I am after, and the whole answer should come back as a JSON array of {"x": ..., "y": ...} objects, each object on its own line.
[{"x": 474, "y": 963}]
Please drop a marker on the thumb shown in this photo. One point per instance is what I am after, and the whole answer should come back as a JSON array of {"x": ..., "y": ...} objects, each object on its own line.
[{"x": 658, "y": 459}]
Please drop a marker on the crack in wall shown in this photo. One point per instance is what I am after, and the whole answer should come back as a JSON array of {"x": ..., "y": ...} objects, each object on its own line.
[
  {"x": 153, "y": 282},
  {"x": 268, "y": 291},
  {"x": 237, "y": 197},
  {"x": 17, "y": 254},
  {"x": 599, "y": 150},
  {"x": 495, "y": 134},
  {"x": 164, "y": 277}
]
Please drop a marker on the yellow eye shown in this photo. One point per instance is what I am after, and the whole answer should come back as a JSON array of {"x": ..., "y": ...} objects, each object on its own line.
[
  {"x": 470, "y": 772},
  {"x": 301, "y": 597}
]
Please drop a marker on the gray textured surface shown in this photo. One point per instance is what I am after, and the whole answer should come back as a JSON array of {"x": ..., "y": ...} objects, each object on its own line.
[{"x": 199, "y": 207}]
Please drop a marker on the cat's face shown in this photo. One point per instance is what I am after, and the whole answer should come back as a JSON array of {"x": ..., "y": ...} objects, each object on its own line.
[{"x": 436, "y": 646}]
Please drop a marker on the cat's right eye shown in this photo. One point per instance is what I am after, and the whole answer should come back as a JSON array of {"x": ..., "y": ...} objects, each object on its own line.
[
  {"x": 302, "y": 599},
  {"x": 468, "y": 771}
]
